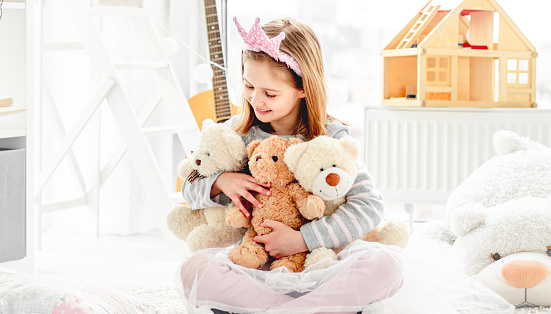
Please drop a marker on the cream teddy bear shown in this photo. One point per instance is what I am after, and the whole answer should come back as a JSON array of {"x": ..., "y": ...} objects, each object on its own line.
[
  {"x": 220, "y": 149},
  {"x": 326, "y": 167}
]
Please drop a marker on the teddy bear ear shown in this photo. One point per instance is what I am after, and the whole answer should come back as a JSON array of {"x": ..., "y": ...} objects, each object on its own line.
[
  {"x": 506, "y": 142},
  {"x": 251, "y": 147},
  {"x": 293, "y": 153},
  {"x": 351, "y": 145},
  {"x": 207, "y": 123},
  {"x": 467, "y": 218}
]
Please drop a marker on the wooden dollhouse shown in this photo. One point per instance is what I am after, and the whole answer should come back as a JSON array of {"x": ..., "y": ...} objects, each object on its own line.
[{"x": 460, "y": 54}]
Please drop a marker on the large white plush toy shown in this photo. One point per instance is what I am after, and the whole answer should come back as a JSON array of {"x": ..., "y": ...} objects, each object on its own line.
[
  {"x": 326, "y": 167},
  {"x": 508, "y": 248},
  {"x": 501, "y": 216},
  {"x": 220, "y": 149}
]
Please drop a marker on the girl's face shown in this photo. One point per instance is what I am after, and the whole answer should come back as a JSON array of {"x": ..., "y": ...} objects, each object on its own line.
[{"x": 273, "y": 99}]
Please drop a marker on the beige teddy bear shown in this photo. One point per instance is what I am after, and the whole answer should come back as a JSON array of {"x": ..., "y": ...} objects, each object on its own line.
[
  {"x": 289, "y": 203},
  {"x": 326, "y": 167},
  {"x": 220, "y": 149}
]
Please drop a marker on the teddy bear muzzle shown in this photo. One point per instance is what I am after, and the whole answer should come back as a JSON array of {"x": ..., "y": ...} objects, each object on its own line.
[
  {"x": 523, "y": 273},
  {"x": 523, "y": 279},
  {"x": 332, "y": 183}
]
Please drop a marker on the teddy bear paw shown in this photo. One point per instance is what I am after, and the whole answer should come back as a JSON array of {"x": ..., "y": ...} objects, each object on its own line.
[
  {"x": 294, "y": 263},
  {"x": 320, "y": 258},
  {"x": 212, "y": 236},
  {"x": 250, "y": 255},
  {"x": 236, "y": 219},
  {"x": 181, "y": 220},
  {"x": 314, "y": 207}
]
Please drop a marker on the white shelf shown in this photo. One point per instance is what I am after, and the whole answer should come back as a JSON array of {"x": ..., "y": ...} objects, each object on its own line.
[
  {"x": 13, "y": 4},
  {"x": 11, "y": 133},
  {"x": 18, "y": 32}
]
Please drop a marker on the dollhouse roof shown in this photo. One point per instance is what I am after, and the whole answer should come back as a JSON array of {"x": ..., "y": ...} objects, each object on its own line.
[{"x": 449, "y": 23}]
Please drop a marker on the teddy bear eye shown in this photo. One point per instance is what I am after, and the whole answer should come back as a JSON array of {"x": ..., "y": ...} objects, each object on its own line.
[
  {"x": 274, "y": 158},
  {"x": 208, "y": 154},
  {"x": 321, "y": 169},
  {"x": 334, "y": 166},
  {"x": 549, "y": 251},
  {"x": 496, "y": 256}
]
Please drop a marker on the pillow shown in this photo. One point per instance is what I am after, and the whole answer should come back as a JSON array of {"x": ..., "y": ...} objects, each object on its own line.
[{"x": 49, "y": 296}]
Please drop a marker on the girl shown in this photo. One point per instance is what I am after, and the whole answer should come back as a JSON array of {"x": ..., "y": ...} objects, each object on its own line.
[{"x": 284, "y": 94}]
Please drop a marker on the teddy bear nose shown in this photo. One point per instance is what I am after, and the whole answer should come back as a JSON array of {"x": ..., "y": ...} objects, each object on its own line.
[
  {"x": 198, "y": 162},
  {"x": 332, "y": 179},
  {"x": 524, "y": 274}
]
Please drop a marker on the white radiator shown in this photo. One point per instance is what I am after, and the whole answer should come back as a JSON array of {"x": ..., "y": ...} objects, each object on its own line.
[{"x": 420, "y": 155}]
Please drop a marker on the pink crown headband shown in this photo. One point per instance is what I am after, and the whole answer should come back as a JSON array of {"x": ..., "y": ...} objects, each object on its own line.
[{"x": 257, "y": 40}]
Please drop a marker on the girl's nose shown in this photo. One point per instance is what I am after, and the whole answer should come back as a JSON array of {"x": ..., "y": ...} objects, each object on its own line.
[{"x": 255, "y": 101}]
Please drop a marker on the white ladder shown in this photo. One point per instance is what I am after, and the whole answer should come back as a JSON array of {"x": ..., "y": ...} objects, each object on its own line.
[
  {"x": 129, "y": 122},
  {"x": 426, "y": 16}
]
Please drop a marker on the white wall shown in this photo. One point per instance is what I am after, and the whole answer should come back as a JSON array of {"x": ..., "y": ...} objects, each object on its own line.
[{"x": 352, "y": 35}]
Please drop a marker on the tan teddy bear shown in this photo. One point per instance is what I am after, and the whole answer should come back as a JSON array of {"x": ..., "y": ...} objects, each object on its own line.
[
  {"x": 289, "y": 203},
  {"x": 326, "y": 167},
  {"x": 220, "y": 149}
]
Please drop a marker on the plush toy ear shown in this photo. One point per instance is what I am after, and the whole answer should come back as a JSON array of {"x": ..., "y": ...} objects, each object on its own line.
[
  {"x": 506, "y": 142},
  {"x": 293, "y": 153},
  {"x": 207, "y": 123},
  {"x": 351, "y": 145},
  {"x": 251, "y": 147},
  {"x": 467, "y": 218}
]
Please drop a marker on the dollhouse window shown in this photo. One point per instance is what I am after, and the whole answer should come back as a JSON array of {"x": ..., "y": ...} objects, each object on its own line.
[
  {"x": 438, "y": 71},
  {"x": 517, "y": 72}
]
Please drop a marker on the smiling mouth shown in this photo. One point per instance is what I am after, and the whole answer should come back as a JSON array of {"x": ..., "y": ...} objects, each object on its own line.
[
  {"x": 332, "y": 195},
  {"x": 325, "y": 194},
  {"x": 334, "y": 189},
  {"x": 262, "y": 110}
]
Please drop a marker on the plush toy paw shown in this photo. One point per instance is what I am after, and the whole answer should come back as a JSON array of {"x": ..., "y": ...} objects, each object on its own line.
[
  {"x": 314, "y": 207},
  {"x": 250, "y": 255},
  {"x": 236, "y": 219},
  {"x": 320, "y": 257},
  {"x": 181, "y": 220},
  {"x": 216, "y": 215},
  {"x": 294, "y": 263},
  {"x": 211, "y": 236},
  {"x": 390, "y": 233},
  {"x": 438, "y": 231}
]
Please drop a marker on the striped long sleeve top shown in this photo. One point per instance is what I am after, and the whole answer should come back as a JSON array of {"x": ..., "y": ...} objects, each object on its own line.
[{"x": 361, "y": 213}]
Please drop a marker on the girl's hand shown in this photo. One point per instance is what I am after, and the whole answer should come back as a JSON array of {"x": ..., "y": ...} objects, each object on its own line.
[
  {"x": 282, "y": 241},
  {"x": 236, "y": 185}
]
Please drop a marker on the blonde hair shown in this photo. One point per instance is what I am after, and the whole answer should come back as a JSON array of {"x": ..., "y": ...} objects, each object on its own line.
[{"x": 302, "y": 44}]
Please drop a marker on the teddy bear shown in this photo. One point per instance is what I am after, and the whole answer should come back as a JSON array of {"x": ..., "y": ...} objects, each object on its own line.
[
  {"x": 220, "y": 149},
  {"x": 501, "y": 217},
  {"x": 288, "y": 203},
  {"x": 508, "y": 248},
  {"x": 326, "y": 167}
]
